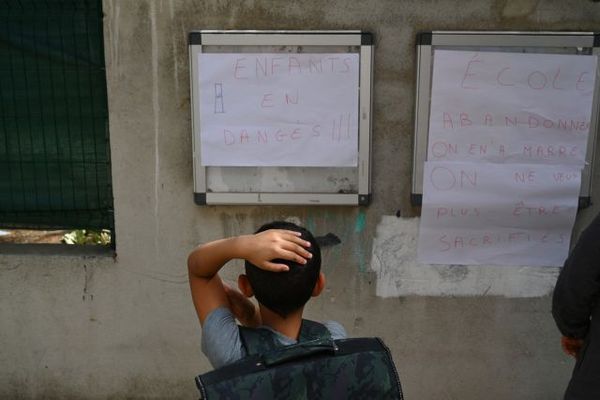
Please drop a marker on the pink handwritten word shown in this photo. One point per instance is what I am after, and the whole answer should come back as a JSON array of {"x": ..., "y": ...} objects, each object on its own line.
[
  {"x": 465, "y": 120},
  {"x": 267, "y": 100},
  {"x": 550, "y": 151},
  {"x": 444, "y": 179},
  {"x": 265, "y": 136},
  {"x": 440, "y": 149},
  {"x": 521, "y": 209},
  {"x": 564, "y": 177},
  {"x": 452, "y": 212},
  {"x": 529, "y": 177},
  {"x": 476, "y": 70},
  {"x": 525, "y": 176},
  {"x": 340, "y": 131},
  {"x": 565, "y": 125},
  {"x": 270, "y": 65},
  {"x": 474, "y": 241}
]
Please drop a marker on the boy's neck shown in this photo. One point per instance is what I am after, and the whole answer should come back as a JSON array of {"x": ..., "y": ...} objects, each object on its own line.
[{"x": 288, "y": 326}]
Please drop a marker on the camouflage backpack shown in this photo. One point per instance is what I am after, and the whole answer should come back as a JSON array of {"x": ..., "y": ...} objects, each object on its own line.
[{"x": 316, "y": 368}]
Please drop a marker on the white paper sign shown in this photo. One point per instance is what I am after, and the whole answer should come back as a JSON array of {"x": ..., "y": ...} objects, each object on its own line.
[
  {"x": 483, "y": 213},
  {"x": 285, "y": 109},
  {"x": 510, "y": 107}
]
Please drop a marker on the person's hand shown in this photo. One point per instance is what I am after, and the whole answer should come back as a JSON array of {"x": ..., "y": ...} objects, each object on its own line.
[
  {"x": 264, "y": 247},
  {"x": 242, "y": 307},
  {"x": 571, "y": 346}
]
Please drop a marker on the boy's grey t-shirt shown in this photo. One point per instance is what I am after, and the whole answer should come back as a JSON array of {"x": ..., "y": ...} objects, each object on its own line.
[{"x": 222, "y": 344}]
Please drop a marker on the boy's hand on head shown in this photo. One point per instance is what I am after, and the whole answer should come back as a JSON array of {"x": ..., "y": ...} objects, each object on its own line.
[
  {"x": 273, "y": 244},
  {"x": 205, "y": 261}
]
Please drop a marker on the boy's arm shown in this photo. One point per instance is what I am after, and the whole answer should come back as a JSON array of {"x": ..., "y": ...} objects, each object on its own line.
[
  {"x": 242, "y": 308},
  {"x": 260, "y": 249}
]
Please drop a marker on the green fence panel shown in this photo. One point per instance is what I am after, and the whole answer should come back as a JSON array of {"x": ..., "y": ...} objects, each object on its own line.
[{"x": 54, "y": 148}]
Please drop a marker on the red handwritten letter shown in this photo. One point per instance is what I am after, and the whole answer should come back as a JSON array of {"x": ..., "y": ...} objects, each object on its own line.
[
  {"x": 469, "y": 74},
  {"x": 447, "y": 121},
  {"x": 499, "y": 76},
  {"x": 580, "y": 80},
  {"x": 294, "y": 63},
  {"x": 267, "y": 100},
  {"x": 238, "y": 68}
]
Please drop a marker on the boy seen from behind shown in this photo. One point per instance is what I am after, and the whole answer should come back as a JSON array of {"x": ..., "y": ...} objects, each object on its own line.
[{"x": 283, "y": 270}]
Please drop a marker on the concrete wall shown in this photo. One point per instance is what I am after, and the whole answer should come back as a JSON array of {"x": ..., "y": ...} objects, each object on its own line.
[{"x": 98, "y": 327}]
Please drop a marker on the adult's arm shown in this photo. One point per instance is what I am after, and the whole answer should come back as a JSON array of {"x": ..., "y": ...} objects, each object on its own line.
[{"x": 578, "y": 287}]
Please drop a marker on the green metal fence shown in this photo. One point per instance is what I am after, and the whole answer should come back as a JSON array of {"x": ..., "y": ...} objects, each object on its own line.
[{"x": 54, "y": 149}]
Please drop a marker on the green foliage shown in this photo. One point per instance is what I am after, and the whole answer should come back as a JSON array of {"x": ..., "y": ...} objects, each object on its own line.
[{"x": 86, "y": 236}]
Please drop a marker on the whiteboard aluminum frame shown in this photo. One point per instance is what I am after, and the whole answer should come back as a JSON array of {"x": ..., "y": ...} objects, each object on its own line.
[
  {"x": 198, "y": 39},
  {"x": 426, "y": 42}
]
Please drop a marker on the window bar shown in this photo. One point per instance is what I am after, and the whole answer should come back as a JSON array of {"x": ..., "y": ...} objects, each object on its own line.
[
  {"x": 67, "y": 114},
  {"x": 41, "y": 104},
  {"x": 32, "y": 162},
  {"x": 55, "y": 118},
  {"x": 12, "y": 56},
  {"x": 93, "y": 109},
  {"x": 8, "y": 147},
  {"x": 77, "y": 63}
]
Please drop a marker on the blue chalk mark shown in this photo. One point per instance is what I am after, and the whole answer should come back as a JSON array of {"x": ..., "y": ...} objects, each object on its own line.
[
  {"x": 310, "y": 225},
  {"x": 360, "y": 255},
  {"x": 361, "y": 221}
]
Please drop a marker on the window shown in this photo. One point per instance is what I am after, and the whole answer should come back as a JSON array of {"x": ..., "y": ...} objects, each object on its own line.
[{"x": 54, "y": 142}]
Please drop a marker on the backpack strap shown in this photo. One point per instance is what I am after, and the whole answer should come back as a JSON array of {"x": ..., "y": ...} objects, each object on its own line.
[
  {"x": 261, "y": 340},
  {"x": 311, "y": 330},
  {"x": 257, "y": 340}
]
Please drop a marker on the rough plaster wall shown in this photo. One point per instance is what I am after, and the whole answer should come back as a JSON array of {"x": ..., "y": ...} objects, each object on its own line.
[
  {"x": 75, "y": 327},
  {"x": 394, "y": 261}
]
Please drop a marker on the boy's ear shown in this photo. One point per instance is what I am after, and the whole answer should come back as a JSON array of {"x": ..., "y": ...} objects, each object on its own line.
[
  {"x": 319, "y": 285},
  {"x": 244, "y": 285}
]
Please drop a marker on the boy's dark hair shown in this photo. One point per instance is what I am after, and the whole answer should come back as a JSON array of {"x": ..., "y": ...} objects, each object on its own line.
[{"x": 284, "y": 292}]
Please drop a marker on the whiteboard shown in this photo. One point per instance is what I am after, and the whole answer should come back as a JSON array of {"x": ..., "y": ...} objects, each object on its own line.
[
  {"x": 281, "y": 117},
  {"x": 479, "y": 213},
  {"x": 273, "y": 109},
  {"x": 529, "y": 110}
]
